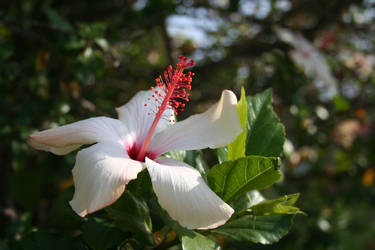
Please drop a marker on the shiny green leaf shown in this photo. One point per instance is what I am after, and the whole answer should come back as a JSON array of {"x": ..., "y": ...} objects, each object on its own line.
[
  {"x": 233, "y": 178},
  {"x": 265, "y": 132},
  {"x": 222, "y": 154},
  {"x": 176, "y": 154}
]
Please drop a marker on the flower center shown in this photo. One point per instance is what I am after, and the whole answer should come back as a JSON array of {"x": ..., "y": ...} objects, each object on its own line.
[
  {"x": 134, "y": 150},
  {"x": 171, "y": 94}
]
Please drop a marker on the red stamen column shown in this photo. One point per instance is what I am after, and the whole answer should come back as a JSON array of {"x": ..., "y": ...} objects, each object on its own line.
[{"x": 172, "y": 93}]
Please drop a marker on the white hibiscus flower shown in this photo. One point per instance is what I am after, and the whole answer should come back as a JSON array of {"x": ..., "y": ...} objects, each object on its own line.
[{"x": 143, "y": 132}]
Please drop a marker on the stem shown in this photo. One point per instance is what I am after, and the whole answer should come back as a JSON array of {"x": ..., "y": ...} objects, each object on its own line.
[{"x": 241, "y": 213}]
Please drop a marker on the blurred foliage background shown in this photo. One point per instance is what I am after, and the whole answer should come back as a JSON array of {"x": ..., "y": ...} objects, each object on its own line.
[{"x": 63, "y": 61}]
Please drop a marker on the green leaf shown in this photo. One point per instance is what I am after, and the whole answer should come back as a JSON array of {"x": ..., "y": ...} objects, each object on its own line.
[
  {"x": 237, "y": 148},
  {"x": 192, "y": 157},
  {"x": 131, "y": 214},
  {"x": 189, "y": 239},
  {"x": 100, "y": 235},
  {"x": 233, "y": 178},
  {"x": 162, "y": 214},
  {"x": 75, "y": 43},
  {"x": 198, "y": 242},
  {"x": 257, "y": 229},
  {"x": 282, "y": 205},
  {"x": 58, "y": 21},
  {"x": 176, "y": 154},
  {"x": 246, "y": 200},
  {"x": 102, "y": 43},
  {"x": 92, "y": 30},
  {"x": 222, "y": 154},
  {"x": 140, "y": 185},
  {"x": 195, "y": 158},
  {"x": 341, "y": 103},
  {"x": 265, "y": 132}
]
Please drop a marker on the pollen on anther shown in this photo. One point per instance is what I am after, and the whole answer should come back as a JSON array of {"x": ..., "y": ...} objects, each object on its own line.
[{"x": 172, "y": 88}]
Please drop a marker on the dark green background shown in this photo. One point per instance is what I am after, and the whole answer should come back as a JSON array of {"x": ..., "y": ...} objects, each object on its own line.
[{"x": 63, "y": 61}]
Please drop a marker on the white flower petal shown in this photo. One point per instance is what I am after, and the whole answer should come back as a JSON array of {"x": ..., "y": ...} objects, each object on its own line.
[
  {"x": 64, "y": 139},
  {"x": 100, "y": 175},
  {"x": 285, "y": 35},
  {"x": 216, "y": 127},
  {"x": 138, "y": 118},
  {"x": 294, "y": 39},
  {"x": 182, "y": 192},
  {"x": 307, "y": 56}
]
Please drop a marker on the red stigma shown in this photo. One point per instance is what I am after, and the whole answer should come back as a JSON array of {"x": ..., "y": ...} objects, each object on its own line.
[
  {"x": 175, "y": 83},
  {"x": 171, "y": 93}
]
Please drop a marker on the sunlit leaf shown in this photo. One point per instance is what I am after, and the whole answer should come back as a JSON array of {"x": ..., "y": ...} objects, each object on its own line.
[
  {"x": 237, "y": 148},
  {"x": 233, "y": 178},
  {"x": 198, "y": 242},
  {"x": 282, "y": 205}
]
